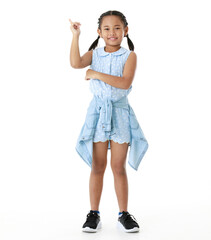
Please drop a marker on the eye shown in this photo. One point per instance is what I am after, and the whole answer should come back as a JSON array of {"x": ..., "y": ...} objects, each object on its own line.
[{"x": 108, "y": 28}]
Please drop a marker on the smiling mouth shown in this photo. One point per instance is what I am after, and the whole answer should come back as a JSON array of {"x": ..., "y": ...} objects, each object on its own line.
[{"x": 112, "y": 38}]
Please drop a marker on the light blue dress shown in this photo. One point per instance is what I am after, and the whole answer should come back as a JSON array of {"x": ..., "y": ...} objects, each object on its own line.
[
  {"x": 112, "y": 64},
  {"x": 109, "y": 115}
]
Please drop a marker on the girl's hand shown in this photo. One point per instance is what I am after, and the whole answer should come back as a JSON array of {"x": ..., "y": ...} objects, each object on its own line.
[
  {"x": 75, "y": 27},
  {"x": 89, "y": 74}
]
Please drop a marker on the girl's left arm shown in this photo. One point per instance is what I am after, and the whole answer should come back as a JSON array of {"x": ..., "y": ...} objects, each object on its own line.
[{"x": 123, "y": 82}]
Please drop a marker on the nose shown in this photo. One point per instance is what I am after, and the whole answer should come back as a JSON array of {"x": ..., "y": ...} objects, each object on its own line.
[{"x": 111, "y": 33}]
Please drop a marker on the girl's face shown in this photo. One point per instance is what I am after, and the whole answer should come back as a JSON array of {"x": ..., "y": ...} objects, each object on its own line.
[{"x": 112, "y": 30}]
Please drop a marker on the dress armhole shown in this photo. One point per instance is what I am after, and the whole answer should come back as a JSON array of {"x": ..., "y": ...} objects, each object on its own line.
[{"x": 93, "y": 53}]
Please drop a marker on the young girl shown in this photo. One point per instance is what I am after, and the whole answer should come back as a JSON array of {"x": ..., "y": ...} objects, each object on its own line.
[{"x": 110, "y": 120}]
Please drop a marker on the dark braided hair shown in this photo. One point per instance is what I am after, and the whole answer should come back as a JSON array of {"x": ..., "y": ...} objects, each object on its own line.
[{"x": 123, "y": 19}]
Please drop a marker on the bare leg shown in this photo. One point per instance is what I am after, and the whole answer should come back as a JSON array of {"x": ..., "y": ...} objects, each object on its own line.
[
  {"x": 99, "y": 163},
  {"x": 118, "y": 161}
]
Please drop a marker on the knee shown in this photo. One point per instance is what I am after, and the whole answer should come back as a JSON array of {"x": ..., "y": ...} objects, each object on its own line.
[
  {"x": 118, "y": 168},
  {"x": 98, "y": 168}
]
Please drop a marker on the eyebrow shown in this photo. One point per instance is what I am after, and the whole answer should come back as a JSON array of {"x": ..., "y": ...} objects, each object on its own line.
[{"x": 108, "y": 26}]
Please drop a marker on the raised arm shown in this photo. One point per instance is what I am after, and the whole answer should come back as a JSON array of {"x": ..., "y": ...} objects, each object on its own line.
[{"x": 76, "y": 61}]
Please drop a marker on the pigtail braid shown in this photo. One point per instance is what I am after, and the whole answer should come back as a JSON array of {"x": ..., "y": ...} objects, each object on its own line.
[
  {"x": 94, "y": 44},
  {"x": 130, "y": 43}
]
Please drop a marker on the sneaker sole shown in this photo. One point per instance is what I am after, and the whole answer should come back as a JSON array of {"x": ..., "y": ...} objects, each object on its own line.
[
  {"x": 88, "y": 229},
  {"x": 120, "y": 226}
]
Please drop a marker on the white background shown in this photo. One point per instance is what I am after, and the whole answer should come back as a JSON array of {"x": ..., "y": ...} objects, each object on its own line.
[{"x": 43, "y": 101}]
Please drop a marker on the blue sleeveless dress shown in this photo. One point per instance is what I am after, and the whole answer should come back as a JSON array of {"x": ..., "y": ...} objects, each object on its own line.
[
  {"x": 112, "y": 64},
  {"x": 109, "y": 115}
]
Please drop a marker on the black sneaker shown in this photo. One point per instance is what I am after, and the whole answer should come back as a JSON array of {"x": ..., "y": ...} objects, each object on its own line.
[
  {"x": 93, "y": 223},
  {"x": 127, "y": 222}
]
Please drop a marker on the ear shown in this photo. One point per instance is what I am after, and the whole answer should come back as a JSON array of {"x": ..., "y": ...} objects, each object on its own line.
[
  {"x": 126, "y": 31},
  {"x": 99, "y": 32}
]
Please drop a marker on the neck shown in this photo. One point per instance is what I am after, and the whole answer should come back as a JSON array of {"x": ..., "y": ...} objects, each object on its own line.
[{"x": 111, "y": 48}]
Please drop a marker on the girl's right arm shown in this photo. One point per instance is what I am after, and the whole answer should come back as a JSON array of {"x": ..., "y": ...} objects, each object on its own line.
[{"x": 76, "y": 61}]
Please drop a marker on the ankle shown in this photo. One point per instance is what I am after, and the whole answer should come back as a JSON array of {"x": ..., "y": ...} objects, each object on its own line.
[
  {"x": 123, "y": 211},
  {"x": 97, "y": 211}
]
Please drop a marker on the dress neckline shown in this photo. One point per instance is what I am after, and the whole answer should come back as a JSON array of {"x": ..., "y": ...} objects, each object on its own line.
[
  {"x": 103, "y": 53},
  {"x": 112, "y": 52}
]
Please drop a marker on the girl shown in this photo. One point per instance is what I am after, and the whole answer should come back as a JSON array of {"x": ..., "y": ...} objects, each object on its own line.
[{"x": 110, "y": 120}]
